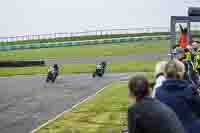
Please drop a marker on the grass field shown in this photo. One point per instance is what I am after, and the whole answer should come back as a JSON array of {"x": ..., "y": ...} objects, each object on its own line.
[
  {"x": 88, "y": 50},
  {"x": 130, "y": 66},
  {"x": 101, "y": 114}
]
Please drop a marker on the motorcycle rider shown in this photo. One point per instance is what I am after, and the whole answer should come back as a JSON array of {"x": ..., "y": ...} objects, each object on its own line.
[
  {"x": 56, "y": 69},
  {"x": 51, "y": 69},
  {"x": 99, "y": 67},
  {"x": 53, "y": 72}
]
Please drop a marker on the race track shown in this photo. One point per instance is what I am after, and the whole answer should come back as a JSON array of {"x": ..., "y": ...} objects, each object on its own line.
[{"x": 27, "y": 101}]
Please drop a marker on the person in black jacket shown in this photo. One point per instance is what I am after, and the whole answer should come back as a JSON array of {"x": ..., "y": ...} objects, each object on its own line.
[{"x": 148, "y": 115}]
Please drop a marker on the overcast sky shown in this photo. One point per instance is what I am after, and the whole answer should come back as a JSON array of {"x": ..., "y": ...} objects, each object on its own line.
[{"x": 43, "y": 16}]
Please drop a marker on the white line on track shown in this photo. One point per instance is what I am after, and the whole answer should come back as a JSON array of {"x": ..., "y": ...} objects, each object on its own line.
[{"x": 68, "y": 110}]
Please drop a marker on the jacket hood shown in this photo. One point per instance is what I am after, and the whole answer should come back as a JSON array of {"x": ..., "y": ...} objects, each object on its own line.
[{"x": 175, "y": 85}]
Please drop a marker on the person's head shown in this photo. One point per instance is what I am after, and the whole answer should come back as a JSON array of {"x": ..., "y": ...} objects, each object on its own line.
[
  {"x": 180, "y": 53},
  {"x": 174, "y": 69},
  {"x": 138, "y": 87},
  {"x": 160, "y": 68}
]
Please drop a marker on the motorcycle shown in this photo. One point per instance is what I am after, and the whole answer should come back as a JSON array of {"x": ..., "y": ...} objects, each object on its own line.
[
  {"x": 100, "y": 72},
  {"x": 52, "y": 74}
]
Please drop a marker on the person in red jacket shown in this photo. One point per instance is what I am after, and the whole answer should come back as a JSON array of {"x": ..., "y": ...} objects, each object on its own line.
[{"x": 182, "y": 40}]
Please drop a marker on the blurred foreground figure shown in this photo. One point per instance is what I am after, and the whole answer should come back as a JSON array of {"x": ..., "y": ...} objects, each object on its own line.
[
  {"x": 181, "y": 96},
  {"x": 148, "y": 115}
]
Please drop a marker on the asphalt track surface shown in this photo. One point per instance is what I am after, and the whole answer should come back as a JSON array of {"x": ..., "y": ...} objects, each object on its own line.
[
  {"x": 88, "y": 60},
  {"x": 27, "y": 101}
]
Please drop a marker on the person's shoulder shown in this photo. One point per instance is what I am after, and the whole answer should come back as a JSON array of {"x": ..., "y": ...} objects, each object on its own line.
[
  {"x": 135, "y": 108},
  {"x": 132, "y": 107}
]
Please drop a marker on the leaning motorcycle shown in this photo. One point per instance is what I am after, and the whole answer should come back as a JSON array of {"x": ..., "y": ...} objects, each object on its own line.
[
  {"x": 51, "y": 76},
  {"x": 100, "y": 72}
]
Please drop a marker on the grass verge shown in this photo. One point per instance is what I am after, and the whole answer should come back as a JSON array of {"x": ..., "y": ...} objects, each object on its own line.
[
  {"x": 130, "y": 66},
  {"x": 104, "y": 113},
  {"x": 161, "y": 46}
]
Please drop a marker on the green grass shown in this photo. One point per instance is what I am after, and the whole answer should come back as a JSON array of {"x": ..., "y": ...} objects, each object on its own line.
[
  {"x": 92, "y": 37},
  {"x": 88, "y": 50},
  {"x": 101, "y": 114},
  {"x": 126, "y": 66}
]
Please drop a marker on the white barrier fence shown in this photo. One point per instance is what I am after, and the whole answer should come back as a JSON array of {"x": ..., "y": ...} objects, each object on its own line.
[
  {"x": 84, "y": 42},
  {"x": 85, "y": 33}
]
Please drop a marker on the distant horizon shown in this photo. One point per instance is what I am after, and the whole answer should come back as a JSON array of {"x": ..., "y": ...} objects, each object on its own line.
[{"x": 22, "y": 17}]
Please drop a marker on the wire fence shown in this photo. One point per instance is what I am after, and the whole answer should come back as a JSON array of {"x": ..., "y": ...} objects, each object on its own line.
[{"x": 84, "y": 33}]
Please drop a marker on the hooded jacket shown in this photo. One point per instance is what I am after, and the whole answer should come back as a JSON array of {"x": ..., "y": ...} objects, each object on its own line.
[{"x": 183, "y": 98}]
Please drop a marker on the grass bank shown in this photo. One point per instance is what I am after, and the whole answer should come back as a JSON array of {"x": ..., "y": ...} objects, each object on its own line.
[
  {"x": 109, "y": 115},
  {"x": 129, "y": 66},
  {"x": 88, "y": 50}
]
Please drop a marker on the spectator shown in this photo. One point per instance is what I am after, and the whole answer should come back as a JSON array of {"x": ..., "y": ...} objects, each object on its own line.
[
  {"x": 148, "y": 115},
  {"x": 181, "y": 96},
  {"x": 182, "y": 39},
  {"x": 197, "y": 61},
  {"x": 159, "y": 74},
  {"x": 190, "y": 74},
  {"x": 179, "y": 54}
]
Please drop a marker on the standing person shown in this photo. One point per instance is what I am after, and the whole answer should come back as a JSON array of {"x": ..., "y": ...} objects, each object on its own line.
[
  {"x": 197, "y": 61},
  {"x": 181, "y": 96},
  {"x": 182, "y": 39},
  {"x": 148, "y": 115},
  {"x": 183, "y": 56}
]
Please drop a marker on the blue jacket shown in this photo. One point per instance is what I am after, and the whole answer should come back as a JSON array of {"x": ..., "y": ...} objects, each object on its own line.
[{"x": 183, "y": 98}]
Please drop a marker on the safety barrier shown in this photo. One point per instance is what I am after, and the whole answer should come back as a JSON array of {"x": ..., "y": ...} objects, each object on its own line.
[
  {"x": 21, "y": 63},
  {"x": 85, "y": 42}
]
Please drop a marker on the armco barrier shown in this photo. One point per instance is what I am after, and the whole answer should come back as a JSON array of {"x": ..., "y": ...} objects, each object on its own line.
[
  {"x": 85, "y": 42},
  {"x": 21, "y": 63}
]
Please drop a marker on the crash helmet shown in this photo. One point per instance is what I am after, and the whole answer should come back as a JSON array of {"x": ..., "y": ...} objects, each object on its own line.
[{"x": 55, "y": 66}]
